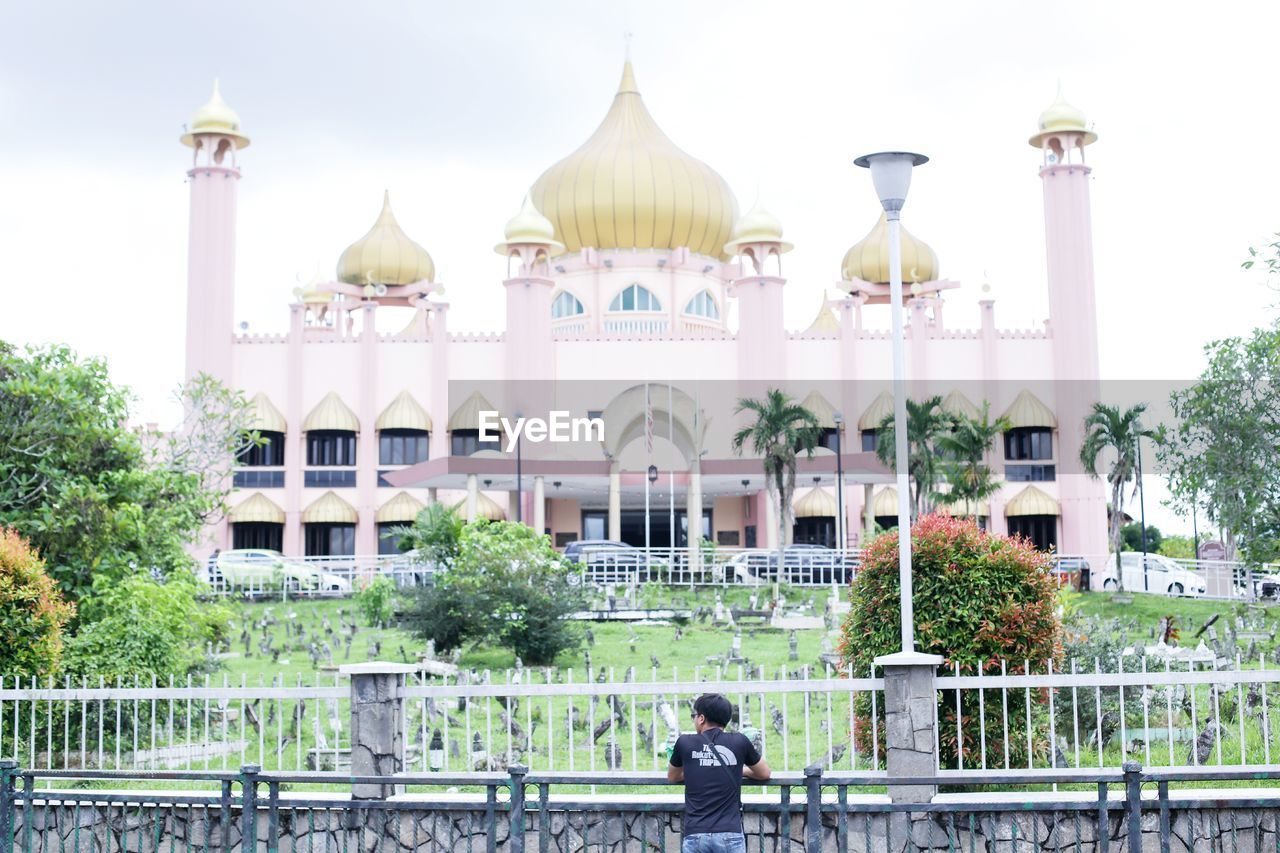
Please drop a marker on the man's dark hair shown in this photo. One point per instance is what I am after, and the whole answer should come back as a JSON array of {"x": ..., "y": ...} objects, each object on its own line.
[{"x": 715, "y": 708}]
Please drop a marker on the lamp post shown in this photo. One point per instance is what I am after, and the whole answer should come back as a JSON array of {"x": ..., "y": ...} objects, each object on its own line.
[
  {"x": 891, "y": 175},
  {"x": 841, "y": 541}
]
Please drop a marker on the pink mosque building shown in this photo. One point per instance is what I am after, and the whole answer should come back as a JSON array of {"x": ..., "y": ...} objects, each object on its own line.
[{"x": 636, "y": 293}]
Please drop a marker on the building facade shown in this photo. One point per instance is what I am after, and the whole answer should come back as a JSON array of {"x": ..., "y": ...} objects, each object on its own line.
[{"x": 636, "y": 293}]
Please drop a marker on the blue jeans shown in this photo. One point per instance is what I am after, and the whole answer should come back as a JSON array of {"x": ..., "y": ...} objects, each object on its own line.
[{"x": 714, "y": 842}]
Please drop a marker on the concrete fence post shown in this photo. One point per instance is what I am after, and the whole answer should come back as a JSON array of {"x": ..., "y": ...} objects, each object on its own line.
[
  {"x": 516, "y": 810},
  {"x": 8, "y": 768},
  {"x": 910, "y": 722},
  {"x": 377, "y": 725},
  {"x": 249, "y": 806},
  {"x": 813, "y": 809},
  {"x": 1132, "y": 806}
]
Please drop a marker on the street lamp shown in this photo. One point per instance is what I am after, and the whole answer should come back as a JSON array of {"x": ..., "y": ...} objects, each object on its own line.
[
  {"x": 891, "y": 175},
  {"x": 648, "y": 484},
  {"x": 841, "y": 541}
]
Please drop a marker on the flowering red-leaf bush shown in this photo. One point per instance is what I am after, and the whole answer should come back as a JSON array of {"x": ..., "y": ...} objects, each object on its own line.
[
  {"x": 32, "y": 611},
  {"x": 982, "y": 602}
]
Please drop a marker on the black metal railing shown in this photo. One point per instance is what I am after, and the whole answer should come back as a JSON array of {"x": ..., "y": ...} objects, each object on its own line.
[{"x": 1101, "y": 812}]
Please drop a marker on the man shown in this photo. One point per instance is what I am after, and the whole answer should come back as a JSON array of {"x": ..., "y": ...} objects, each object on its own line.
[{"x": 712, "y": 765}]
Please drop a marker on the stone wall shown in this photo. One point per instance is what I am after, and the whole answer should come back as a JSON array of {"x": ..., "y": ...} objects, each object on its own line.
[{"x": 464, "y": 823}]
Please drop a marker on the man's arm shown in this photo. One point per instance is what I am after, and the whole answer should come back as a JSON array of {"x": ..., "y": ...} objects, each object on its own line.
[
  {"x": 675, "y": 769},
  {"x": 675, "y": 774},
  {"x": 759, "y": 771}
]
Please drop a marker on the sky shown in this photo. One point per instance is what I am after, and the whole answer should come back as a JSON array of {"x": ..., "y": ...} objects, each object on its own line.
[{"x": 457, "y": 108}]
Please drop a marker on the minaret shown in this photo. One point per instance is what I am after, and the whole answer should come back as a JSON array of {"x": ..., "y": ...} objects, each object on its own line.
[
  {"x": 1073, "y": 323},
  {"x": 762, "y": 339},
  {"x": 214, "y": 136}
]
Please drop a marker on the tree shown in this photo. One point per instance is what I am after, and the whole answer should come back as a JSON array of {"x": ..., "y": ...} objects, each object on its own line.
[
  {"x": 1108, "y": 428},
  {"x": 926, "y": 424},
  {"x": 1131, "y": 538},
  {"x": 781, "y": 428},
  {"x": 32, "y": 610},
  {"x": 92, "y": 495},
  {"x": 503, "y": 585},
  {"x": 964, "y": 451},
  {"x": 434, "y": 534},
  {"x": 1223, "y": 451}
]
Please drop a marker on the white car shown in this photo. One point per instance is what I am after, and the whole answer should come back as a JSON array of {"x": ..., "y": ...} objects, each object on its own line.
[{"x": 1162, "y": 575}]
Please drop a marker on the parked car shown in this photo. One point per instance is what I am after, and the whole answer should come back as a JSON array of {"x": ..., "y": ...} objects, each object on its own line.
[
  {"x": 612, "y": 561},
  {"x": 802, "y": 563},
  {"x": 1162, "y": 575},
  {"x": 263, "y": 569}
]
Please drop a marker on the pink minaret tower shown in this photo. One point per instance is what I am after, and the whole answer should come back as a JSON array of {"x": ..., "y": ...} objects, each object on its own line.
[
  {"x": 214, "y": 137},
  {"x": 1073, "y": 322}
]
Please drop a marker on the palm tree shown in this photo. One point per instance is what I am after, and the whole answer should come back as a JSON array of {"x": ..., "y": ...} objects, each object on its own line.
[
  {"x": 1109, "y": 428},
  {"x": 782, "y": 428},
  {"x": 926, "y": 423},
  {"x": 964, "y": 450}
]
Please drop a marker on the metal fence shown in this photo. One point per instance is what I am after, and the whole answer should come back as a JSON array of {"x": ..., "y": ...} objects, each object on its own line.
[
  {"x": 1163, "y": 710},
  {"x": 519, "y": 811}
]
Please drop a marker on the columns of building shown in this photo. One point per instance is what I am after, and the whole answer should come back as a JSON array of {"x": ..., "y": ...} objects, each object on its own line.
[
  {"x": 473, "y": 494},
  {"x": 693, "y": 511},
  {"x": 539, "y": 505},
  {"x": 615, "y": 500}
]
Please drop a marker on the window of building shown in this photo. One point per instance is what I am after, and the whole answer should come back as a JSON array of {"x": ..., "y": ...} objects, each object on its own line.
[
  {"x": 1042, "y": 530},
  {"x": 268, "y": 455},
  {"x": 257, "y": 534},
  {"x": 815, "y": 530},
  {"x": 251, "y": 479},
  {"x": 328, "y": 447},
  {"x": 703, "y": 305},
  {"x": 330, "y": 540},
  {"x": 329, "y": 478},
  {"x": 388, "y": 542},
  {"x": 635, "y": 298},
  {"x": 870, "y": 440},
  {"x": 566, "y": 305},
  {"x": 402, "y": 446},
  {"x": 887, "y": 522},
  {"x": 464, "y": 442},
  {"x": 1028, "y": 443},
  {"x": 1030, "y": 473}
]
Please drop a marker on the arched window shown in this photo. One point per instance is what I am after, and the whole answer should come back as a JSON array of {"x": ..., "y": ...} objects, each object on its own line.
[
  {"x": 703, "y": 305},
  {"x": 566, "y": 305},
  {"x": 635, "y": 298}
]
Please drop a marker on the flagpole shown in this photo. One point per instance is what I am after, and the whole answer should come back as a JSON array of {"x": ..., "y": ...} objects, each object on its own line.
[
  {"x": 671, "y": 476},
  {"x": 648, "y": 435}
]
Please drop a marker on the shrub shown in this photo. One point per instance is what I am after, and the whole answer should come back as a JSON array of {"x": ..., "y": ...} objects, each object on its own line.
[
  {"x": 505, "y": 586},
  {"x": 136, "y": 627},
  {"x": 32, "y": 611},
  {"x": 376, "y": 600},
  {"x": 979, "y": 600}
]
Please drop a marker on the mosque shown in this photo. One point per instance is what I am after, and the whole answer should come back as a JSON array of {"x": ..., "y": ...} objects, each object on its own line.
[{"x": 638, "y": 294}]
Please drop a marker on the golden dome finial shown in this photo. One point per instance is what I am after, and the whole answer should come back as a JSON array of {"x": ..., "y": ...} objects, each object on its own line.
[
  {"x": 757, "y": 226},
  {"x": 528, "y": 228},
  {"x": 385, "y": 255},
  {"x": 868, "y": 259},
  {"x": 215, "y": 117},
  {"x": 630, "y": 187},
  {"x": 1062, "y": 117}
]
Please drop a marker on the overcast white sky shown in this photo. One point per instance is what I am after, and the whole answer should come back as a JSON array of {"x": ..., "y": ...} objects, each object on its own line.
[{"x": 457, "y": 108}]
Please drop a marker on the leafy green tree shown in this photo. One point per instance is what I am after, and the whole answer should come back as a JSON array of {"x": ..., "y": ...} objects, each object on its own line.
[
  {"x": 963, "y": 449},
  {"x": 93, "y": 496},
  {"x": 1109, "y": 428},
  {"x": 780, "y": 429},
  {"x": 1131, "y": 538},
  {"x": 1178, "y": 547},
  {"x": 504, "y": 585},
  {"x": 135, "y": 627},
  {"x": 376, "y": 600},
  {"x": 927, "y": 423},
  {"x": 1223, "y": 451},
  {"x": 434, "y": 534},
  {"x": 32, "y": 611}
]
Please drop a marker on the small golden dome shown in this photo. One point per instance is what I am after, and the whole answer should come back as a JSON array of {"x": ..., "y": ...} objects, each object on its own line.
[
  {"x": 757, "y": 226},
  {"x": 868, "y": 260},
  {"x": 630, "y": 187},
  {"x": 1061, "y": 117},
  {"x": 385, "y": 255},
  {"x": 215, "y": 117},
  {"x": 528, "y": 227}
]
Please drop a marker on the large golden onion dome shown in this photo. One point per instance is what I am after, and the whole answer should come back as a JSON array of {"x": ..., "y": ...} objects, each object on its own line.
[
  {"x": 868, "y": 259},
  {"x": 629, "y": 186},
  {"x": 215, "y": 117},
  {"x": 385, "y": 255},
  {"x": 1061, "y": 117}
]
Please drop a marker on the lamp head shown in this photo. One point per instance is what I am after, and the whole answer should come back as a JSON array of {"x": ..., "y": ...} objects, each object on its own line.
[
  {"x": 653, "y": 473},
  {"x": 891, "y": 175}
]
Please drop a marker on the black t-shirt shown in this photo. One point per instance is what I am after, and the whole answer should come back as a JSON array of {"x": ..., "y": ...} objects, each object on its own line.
[{"x": 712, "y": 790}]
